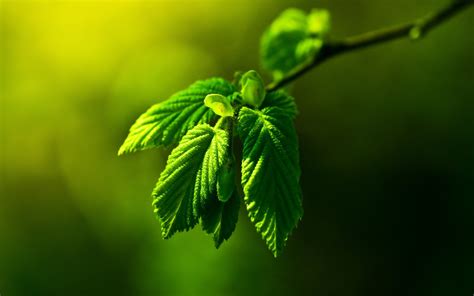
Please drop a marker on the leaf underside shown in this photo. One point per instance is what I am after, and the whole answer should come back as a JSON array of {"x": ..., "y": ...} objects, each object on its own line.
[
  {"x": 188, "y": 181},
  {"x": 270, "y": 173},
  {"x": 164, "y": 124}
]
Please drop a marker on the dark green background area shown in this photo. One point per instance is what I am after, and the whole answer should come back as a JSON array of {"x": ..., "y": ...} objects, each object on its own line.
[{"x": 386, "y": 137}]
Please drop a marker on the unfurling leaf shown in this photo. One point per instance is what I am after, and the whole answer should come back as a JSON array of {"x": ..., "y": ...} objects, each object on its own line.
[
  {"x": 215, "y": 158},
  {"x": 270, "y": 173},
  {"x": 319, "y": 22},
  {"x": 292, "y": 39},
  {"x": 220, "y": 218},
  {"x": 219, "y": 104},
  {"x": 252, "y": 88},
  {"x": 188, "y": 182},
  {"x": 226, "y": 180},
  {"x": 166, "y": 123}
]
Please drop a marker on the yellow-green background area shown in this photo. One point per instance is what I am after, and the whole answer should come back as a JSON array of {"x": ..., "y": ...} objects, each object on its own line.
[{"x": 386, "y": 138}]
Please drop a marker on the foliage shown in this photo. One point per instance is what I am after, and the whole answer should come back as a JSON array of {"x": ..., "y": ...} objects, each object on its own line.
[
  {"x": 292, "y": 39},
  {"x": 198, "y": 183},
  {"x": 166, "y": 123},
  {"x": 270, "y": 173}
]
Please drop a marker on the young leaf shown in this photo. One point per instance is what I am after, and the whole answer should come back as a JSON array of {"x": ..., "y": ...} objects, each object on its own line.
[
  {"x": 166, "y": 123},
  {"x": 252, "y": 88},
  {"x": 226, "y": 180},
  {"x": 213, "y": 162},
  {"x": 292, "y": 39},
  {"x": 319, "y": 22},
  {"x": 189, "y": 178},
  {"x": 220, "y": 218},
  {"x": 270, "y": 173},
  {"x": 219, "y": 105}
]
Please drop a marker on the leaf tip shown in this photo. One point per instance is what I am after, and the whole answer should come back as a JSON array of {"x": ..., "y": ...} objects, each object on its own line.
[
  {"x": 218, "y": 242},
  {"x": 122, "y": 150}
]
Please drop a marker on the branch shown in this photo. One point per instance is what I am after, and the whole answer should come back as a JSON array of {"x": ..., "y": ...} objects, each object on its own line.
[{"x": 413, "y": 30}]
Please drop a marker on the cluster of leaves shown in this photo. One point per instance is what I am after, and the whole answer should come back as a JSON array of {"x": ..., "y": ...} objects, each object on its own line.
[
  {"x": 293, "y": 39},
  {"x": 199, "y": 182}
]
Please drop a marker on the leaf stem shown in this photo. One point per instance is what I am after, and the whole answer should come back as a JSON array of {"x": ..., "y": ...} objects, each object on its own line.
[{"x": 414, "y": 30}]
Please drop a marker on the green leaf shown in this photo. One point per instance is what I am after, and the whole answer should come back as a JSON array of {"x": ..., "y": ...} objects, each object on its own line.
[
  {"x": 252, "y": 88},
  {"x": 219, "y": 105},
  {"x": 283, "y": 100},
  {"x": 215, "y": 159},
  {"x": 270, "y": 173},
  {"x": 226, "y": 180},
  {"x": 189, "y": 178},
  {"x": 319, "y": 22},
  {"x": 166, "y": 123},
  {"x": 292, "y": 39},
  {"x": 220, "y": 218}
]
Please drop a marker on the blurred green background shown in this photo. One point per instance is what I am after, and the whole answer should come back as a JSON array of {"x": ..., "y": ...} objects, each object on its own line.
[{"x": 386, "y": 136}]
